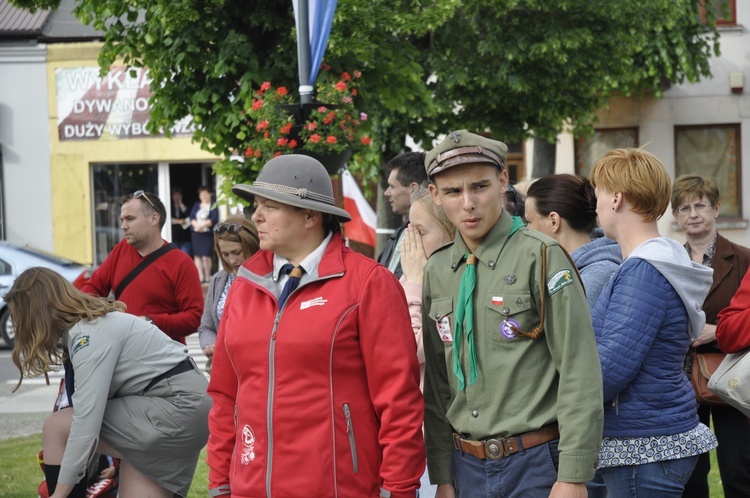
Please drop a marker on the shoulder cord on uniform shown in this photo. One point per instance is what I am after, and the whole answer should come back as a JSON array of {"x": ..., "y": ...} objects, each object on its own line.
[{"x": 538, "y": 331}]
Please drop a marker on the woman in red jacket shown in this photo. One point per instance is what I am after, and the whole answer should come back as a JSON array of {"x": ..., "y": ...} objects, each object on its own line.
[{"x": 315, "y": 379}]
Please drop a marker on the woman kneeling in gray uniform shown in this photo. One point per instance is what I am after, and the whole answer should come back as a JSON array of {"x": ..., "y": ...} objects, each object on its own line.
[{"x": 138, "y": 395}]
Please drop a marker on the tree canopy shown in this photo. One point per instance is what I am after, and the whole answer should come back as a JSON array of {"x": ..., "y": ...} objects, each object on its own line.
[{"x": 511, "y": 68}]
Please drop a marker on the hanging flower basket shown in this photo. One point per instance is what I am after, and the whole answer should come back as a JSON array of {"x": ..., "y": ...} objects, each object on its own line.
[
  {"x": 331, "y": 157},
  {"x": 331, "y": 130}
]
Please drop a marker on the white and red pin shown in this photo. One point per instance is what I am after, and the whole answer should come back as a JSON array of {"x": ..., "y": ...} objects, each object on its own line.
[{"x": 497, "y": 300}]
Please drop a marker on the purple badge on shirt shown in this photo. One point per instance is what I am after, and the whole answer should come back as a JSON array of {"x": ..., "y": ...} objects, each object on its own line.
[{"x": 506, "y": 330}]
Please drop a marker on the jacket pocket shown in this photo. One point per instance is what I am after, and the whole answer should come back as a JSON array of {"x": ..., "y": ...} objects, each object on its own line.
[
  {"x": 506, "y": 311},
  {"x": 350, "y": 433}
]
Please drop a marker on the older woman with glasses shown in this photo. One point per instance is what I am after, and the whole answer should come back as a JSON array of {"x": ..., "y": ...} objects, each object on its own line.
[
  {"x": 695, "y": 206},
  {"x": 235, "y": 240}
]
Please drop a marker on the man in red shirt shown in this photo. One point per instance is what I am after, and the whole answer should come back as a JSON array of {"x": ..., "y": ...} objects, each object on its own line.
[{"x": 167, "y": 292}]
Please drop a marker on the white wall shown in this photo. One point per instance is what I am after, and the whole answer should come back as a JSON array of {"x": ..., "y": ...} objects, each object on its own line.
[
  {"x": 24, "y": 136},
  {"x": 709, "y": 101}
]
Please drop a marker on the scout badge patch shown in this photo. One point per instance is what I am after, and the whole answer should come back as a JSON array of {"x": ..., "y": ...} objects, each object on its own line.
[
  {"x": 80, "y": 343},
  {"x": 561, "y": 279}
]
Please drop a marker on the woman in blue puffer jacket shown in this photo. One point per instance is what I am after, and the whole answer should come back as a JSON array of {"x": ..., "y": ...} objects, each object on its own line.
[{"x": 645, "y": 320}]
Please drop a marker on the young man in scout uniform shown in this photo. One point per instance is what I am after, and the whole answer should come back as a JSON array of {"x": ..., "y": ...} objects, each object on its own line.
[{"x": 513, "y": 387}]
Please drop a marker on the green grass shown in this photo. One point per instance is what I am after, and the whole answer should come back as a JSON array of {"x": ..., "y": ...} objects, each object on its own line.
[{"x": 20, "y": 474}]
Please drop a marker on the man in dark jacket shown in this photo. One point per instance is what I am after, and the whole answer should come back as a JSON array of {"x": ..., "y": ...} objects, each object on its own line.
[{"x": 405, "y": 176}]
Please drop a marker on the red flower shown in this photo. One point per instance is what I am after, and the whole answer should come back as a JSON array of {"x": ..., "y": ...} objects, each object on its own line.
[
  {"x": 340, "y": 86},
  {"x": 248, "y": 152},
  {"x": 282, "y": 142},
  {"x": 266, "y": 134},
  {"x": 329, "y": 118},
  {"x": 354, "y": 92},
  {"x": 257, "y": 153},
  {"x": 330, "y": 139},
  {"x": 311, "y": 126},
  {"x": 286, "y": 128},
  {"x": 357, "y": 74},
  {"x": 282, "y": 90},
  {"x": 292, "y": 143},
  {"x": 257, "y": 104},
  {"x": 314, "y": 138},
  {"x": 365, "y": 140},
  {"x": 321, "y": 109},
  {"x": 325, "y": 67},
  {"x": 346, "y": 76},
  {"x": 265, "y": 86},
  {"x": 277, "y": 154},
  {"x": 262, "y": 125}
]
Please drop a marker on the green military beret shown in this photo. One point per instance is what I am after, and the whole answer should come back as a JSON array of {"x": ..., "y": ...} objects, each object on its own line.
[{"x": 462, "y": 147}]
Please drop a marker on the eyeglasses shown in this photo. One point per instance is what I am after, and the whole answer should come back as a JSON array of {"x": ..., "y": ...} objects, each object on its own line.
[
  {"x": 699, "y": 207},
  {"x": 140, "y": 193},
  {"x": 232, "y": 227}
]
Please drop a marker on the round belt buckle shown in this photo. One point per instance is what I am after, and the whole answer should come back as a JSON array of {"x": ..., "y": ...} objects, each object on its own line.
[{"x": 493, "y": 449}]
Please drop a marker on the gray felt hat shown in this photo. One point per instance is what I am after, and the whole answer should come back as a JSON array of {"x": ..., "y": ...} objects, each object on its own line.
[{"x": 296, "y": 180}]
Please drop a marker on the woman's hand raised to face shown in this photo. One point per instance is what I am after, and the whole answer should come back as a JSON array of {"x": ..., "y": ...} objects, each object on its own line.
[{"x": 413, "y": 257}]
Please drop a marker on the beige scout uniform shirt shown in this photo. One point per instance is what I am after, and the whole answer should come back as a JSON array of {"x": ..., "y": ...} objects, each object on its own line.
[{"x": 523, "y": 384}]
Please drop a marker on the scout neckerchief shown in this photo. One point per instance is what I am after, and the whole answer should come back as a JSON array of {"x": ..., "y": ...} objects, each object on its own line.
[{"x": 465, "y": 310}]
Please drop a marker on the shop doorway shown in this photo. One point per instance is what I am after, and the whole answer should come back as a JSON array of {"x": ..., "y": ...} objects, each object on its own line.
[{"x": 111, "y": 182}]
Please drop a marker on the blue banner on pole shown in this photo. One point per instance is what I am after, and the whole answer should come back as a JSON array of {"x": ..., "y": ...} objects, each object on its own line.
[{"x": 320, "y": 19}]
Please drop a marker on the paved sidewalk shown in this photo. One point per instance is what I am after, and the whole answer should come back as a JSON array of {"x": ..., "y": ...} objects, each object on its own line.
[{"x": 22, "y": 413}]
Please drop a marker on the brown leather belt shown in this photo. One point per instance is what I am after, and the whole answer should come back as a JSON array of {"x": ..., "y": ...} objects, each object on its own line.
[{"x": 495, "y": 449}]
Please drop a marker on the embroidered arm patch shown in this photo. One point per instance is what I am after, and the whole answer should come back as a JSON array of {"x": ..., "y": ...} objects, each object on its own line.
[
  {"x": 559, "y": 280},
  {"x": 80, "y": 343}
]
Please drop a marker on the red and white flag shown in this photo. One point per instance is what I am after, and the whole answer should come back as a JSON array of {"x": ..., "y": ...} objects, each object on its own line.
[{"x": 364, "y": 219}]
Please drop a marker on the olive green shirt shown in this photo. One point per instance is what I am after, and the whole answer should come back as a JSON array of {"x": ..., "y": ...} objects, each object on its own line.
[{"x": 523, "y": 384}]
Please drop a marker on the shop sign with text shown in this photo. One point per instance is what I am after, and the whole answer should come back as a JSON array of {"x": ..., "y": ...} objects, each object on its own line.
[{"x": 113, "y": 107}]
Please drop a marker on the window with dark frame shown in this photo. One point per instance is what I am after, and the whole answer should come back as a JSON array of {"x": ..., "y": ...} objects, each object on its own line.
[
  {"x": 713, "y": 151},
  {"x": 589, "y": 150},
  {"x": 724, "y": 10}
]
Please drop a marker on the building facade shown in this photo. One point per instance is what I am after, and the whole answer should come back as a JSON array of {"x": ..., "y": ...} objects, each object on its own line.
[{"x": 701, "y": 128}]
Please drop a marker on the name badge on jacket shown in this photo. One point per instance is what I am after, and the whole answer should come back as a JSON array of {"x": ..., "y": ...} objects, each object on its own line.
[{"x": 444, "y": 329}]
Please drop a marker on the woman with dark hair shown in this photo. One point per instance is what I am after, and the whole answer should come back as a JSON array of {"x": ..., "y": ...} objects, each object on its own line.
[
  {"x": 564, "y": 207},
  {"x": 202, "y": 218},
  {"x": 138, "y": 395},
  {"x": 235, "y": 240}
]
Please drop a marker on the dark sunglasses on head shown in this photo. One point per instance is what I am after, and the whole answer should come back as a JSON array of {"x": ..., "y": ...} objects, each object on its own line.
[
  {"x": 140, "y": 193},
  {"x": 510, "y": 189},
  {"x": 232, "y": 227}
]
